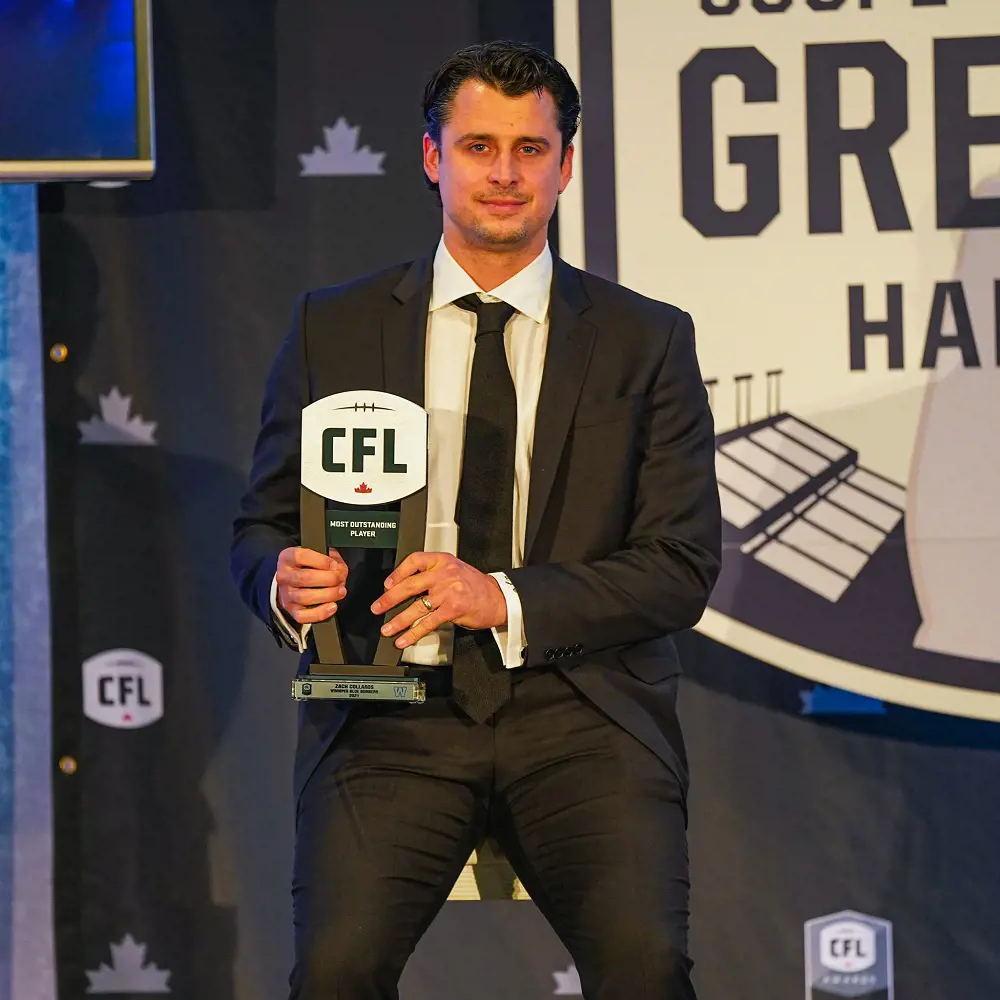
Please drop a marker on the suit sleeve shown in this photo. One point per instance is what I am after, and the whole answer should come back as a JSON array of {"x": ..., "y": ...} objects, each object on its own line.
[
  {"x": 268, "y": 518},
  {"x": 660, "y": 580}
]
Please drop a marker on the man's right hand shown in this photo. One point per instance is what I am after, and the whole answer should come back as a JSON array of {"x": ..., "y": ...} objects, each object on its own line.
[{"x": 310, "y": 584}]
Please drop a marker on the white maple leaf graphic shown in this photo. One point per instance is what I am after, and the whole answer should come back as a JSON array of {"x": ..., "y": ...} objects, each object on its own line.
[
  {"x": 567, "y": 983},
  {"x": 116, "y": 425},
  {"x": 341, "y": 156},
  {"x": 128, "y": 972}
]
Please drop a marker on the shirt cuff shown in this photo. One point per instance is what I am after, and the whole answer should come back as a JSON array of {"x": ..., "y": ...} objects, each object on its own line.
[
  {"x": 510, "y": 637},
  {"x": 296, "y": 635}
]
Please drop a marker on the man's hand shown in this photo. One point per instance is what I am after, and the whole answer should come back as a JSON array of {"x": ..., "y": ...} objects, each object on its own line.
[
  {"x": 310, "y": 583},
  {"x": 458, "y": 593}
]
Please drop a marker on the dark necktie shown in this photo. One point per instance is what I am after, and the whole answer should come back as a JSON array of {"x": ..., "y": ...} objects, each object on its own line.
[{"x": 485, "y": 508}]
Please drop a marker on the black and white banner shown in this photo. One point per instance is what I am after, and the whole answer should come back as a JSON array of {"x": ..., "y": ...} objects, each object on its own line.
[{"x": 818, "y": 183}]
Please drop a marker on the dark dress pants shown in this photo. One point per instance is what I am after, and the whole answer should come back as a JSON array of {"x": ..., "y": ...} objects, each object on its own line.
[{"x": 591, "y": 820}]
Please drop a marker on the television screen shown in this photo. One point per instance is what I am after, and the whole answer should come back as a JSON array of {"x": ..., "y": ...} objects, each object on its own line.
[{"x": 75, "y": 89}]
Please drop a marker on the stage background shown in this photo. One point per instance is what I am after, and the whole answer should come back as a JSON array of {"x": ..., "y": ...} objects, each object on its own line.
[{"x": 289, "y": 138}]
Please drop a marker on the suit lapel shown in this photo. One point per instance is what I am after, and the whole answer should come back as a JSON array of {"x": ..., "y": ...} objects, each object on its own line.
[
  {"x": 567, "y": 356},
  {"x": 404, "y": 333}
]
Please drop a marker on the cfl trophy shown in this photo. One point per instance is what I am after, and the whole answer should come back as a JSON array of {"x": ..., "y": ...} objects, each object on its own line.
[{"x": 364, "y": 453}]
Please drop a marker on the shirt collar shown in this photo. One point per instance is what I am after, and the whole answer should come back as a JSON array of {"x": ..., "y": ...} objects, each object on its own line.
[{"x": 527, "y": 291}]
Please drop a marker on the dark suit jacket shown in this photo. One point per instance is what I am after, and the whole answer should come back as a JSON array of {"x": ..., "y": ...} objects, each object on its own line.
[{"x": 623, "y": 538}]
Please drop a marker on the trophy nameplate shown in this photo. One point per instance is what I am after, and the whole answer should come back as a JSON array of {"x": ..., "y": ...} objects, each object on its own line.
[{"x": 364, "y": 454}]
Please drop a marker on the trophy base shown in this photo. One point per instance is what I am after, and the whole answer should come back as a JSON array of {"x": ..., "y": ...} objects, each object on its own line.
[{"x": 359, "y": 687}]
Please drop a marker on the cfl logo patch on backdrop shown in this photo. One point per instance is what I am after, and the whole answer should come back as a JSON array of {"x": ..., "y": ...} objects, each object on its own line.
[
  {"x": 123, "y": 688},
  {"x": 849, "y": 954}
]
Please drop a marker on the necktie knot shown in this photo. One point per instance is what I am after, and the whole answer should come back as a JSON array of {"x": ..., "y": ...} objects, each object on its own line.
[{"x": 491, "y": 317}]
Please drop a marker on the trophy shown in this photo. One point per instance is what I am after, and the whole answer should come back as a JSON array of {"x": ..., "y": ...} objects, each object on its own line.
[{"x": 364, "y": 484}]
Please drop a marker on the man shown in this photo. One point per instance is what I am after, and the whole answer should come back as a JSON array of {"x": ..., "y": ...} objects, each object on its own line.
[{"x": 573, "y": 525}]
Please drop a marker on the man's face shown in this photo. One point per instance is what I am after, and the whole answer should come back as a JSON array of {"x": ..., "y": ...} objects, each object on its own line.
[{"x": 500, "y": 167}]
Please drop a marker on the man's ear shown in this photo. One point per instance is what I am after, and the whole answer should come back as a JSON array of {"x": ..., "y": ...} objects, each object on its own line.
[
  {"x": 566, "y": 168},
  {"x": 432, "y": 158}
]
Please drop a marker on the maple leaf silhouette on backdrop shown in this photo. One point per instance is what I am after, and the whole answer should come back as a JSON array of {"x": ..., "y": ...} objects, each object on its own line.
[
  {"x": 116, "y": 424},
  {"x": 341, "y": 157},
  {"x": 128, "y": 972},
  {"x": 567, "y": 983}
]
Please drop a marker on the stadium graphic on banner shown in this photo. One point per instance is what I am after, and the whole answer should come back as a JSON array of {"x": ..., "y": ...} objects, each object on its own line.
[{"x": 829, "y": 554}]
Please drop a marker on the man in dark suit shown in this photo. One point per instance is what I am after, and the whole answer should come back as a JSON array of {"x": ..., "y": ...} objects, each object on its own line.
[{"x": 573, "y": 525}]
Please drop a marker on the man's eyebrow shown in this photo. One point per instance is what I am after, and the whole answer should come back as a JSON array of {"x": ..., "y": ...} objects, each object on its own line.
[{"x": 531, "y": 140}]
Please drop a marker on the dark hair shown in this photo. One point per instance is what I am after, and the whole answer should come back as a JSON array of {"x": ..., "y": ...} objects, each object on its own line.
[{"x": 513, "y": 68}]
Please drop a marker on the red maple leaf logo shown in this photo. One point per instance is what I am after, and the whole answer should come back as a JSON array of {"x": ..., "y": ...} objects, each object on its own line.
[{"x": 363, "y": 488}]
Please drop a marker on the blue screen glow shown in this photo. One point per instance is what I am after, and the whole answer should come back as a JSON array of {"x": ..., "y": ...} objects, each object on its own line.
[{"x": 68, "y": 83}]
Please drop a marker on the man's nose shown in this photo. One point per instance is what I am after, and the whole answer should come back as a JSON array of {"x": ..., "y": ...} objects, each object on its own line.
[{"x": 504, "y": 169}]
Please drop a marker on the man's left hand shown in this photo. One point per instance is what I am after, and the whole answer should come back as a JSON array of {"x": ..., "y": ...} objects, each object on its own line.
[{"x": 457, "y": 592}]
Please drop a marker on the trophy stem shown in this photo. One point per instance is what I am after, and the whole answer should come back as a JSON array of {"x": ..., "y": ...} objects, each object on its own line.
[{"x": 412, "y": 527}]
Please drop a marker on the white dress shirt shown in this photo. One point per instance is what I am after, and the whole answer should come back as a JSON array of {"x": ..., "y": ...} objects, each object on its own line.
[{"x": 451, "y": 333}]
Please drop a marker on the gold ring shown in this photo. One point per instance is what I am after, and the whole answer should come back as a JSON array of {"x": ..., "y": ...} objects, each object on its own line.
[{"x": 426, "y": 602}]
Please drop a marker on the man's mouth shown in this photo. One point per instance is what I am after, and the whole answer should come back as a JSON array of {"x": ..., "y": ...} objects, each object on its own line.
[{"x": 504, "y": 202}]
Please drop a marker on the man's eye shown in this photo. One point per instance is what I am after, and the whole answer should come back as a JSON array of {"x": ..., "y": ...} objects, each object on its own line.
[
  {"x": 478, "y": 146},
  {"x": 531, "y": 149}
]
